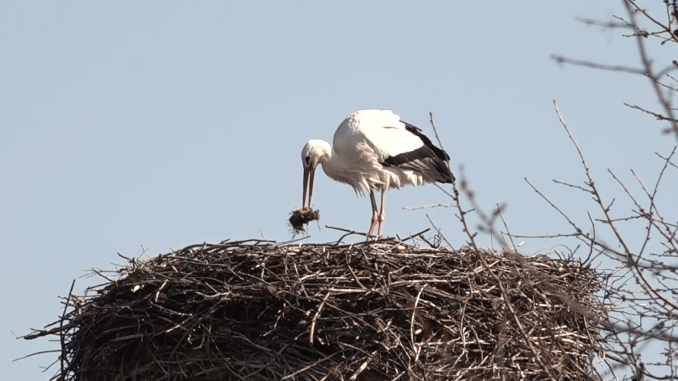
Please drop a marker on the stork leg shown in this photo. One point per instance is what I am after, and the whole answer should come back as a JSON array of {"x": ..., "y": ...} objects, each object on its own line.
[
  {"x": 375, "y": 215},
  {"x": 381, "y": 213}
]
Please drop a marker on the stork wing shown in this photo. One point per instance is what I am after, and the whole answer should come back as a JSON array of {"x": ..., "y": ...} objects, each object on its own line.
[
  {"x": 393, "y": 143},
  {"x": 380, "y": 131},
  {"x": 429, "y": 160}
]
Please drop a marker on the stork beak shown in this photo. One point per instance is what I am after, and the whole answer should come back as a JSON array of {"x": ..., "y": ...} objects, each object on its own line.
[{"x": 309, "y": 174}]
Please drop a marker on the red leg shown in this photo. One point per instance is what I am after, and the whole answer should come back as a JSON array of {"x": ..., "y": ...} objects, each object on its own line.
[
  {"x": 381, "y": 213},
  {"x": 375, "y": 215}
]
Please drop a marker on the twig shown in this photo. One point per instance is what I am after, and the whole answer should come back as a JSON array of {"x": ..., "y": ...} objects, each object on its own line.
[
  {"x": 62, "y": 333},
  {"x": 429, "y": 206},
  {"x": 315, "y": 317},
  {"x": 440, "y": 233},
  {"x": 348, "y": 233},
  {"x": 435, "y": 131},
  {"x": 564, "y": 60}
]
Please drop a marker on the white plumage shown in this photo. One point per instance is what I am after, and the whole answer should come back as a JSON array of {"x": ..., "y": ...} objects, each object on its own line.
[{"x": 375, "y": 150}]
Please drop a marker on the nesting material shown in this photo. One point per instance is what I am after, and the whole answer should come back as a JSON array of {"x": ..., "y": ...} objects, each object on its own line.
[
  {"x": 255, "y": 310},
  {"x": 303, "y": 216}
]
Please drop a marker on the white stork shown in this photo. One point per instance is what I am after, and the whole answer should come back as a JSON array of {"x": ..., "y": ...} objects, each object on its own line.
[{"x": 374, "y": 149}]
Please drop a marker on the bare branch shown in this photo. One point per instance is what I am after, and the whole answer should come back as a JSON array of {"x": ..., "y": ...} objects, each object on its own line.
[{"x": 594, "y": 65}]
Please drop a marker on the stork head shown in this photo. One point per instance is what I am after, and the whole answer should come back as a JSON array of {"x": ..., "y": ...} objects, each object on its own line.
[{"x": 314, "y": 152}]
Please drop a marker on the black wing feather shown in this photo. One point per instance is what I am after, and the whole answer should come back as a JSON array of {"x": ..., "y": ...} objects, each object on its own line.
[
  {"x": 427, "y": 142},
  {"x": 429, "y": 160}
]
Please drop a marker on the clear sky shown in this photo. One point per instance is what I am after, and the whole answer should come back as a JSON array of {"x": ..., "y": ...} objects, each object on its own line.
[{"x": 153, "y": 125}]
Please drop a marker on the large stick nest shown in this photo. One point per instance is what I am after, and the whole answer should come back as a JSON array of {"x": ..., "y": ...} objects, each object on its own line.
[{"x": 259, "y": 311}]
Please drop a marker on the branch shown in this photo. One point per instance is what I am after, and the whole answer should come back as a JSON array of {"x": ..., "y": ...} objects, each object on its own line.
[{"x": 594, "y": 65}]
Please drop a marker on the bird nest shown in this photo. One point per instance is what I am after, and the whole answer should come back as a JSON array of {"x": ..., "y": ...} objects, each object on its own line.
[{"x": 255, "y": 310}]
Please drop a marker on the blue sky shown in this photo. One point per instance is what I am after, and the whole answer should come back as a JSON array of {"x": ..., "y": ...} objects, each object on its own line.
[{"x": 154, "y": 125}]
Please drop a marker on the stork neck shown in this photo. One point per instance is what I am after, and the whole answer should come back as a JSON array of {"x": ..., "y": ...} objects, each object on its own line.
[
  {"x": 331, "y": 166},
  {"x": 325, "y": 155}
]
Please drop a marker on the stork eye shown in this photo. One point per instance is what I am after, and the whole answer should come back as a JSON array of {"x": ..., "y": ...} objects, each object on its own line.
[{"x": 308, "y": 160}]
